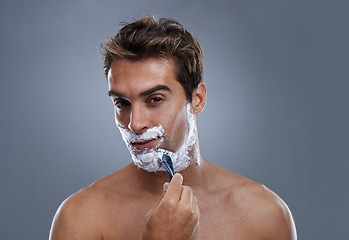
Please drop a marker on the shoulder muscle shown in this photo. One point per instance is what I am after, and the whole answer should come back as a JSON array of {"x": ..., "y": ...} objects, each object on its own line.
[
  {"x": 75, "y": 219},
  {"x": 273, "y": 215}
]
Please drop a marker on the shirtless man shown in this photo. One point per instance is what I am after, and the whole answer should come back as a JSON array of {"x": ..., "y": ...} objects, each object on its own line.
[{"x": 154, "y": 74}]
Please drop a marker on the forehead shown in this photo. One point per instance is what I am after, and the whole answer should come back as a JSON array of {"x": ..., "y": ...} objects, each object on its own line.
[{"x": 141, "y": 74}]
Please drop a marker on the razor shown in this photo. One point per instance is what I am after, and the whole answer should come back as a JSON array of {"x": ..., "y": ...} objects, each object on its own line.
[{"x": 166, "y": 162}]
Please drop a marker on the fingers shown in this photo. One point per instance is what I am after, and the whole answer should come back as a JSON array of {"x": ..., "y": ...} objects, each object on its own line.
[
  {"x": 187, "y": 196},
  {"x": 188, "y": 199},
  {"x": 174, "y": 189}
]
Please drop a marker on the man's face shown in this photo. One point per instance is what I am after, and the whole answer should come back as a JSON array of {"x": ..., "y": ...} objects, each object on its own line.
[{"x": 147, "y": 96}]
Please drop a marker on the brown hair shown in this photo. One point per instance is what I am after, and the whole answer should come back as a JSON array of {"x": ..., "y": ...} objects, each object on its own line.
[{"x": 163, "y": 38}]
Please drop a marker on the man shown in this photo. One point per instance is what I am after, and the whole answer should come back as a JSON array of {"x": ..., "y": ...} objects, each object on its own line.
[{"x": 154, "y": 74}]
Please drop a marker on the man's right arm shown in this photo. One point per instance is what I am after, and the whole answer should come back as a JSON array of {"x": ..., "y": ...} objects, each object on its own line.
[{"x": 176, "y": 216}]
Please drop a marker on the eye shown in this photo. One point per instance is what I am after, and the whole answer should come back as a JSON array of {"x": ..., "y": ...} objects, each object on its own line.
[
  {"x": 121, "y": 103},
  {"x": 155, "y": 100}
]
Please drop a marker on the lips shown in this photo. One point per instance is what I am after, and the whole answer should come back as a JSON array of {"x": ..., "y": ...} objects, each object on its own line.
[{"x": 144, "y": 144}]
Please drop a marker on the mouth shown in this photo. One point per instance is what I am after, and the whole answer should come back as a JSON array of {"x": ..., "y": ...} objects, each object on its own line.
[{"x": 145, "y": 144}]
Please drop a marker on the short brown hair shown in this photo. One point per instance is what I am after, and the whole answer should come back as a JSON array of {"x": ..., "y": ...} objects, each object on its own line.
[{"x": 163, "y": 38}]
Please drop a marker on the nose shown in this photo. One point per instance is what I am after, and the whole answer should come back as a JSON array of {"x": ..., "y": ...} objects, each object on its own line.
[{"x": 139, "y": 121}]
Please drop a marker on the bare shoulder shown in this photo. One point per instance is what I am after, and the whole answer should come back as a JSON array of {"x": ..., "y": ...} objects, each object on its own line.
[
  {"x": 73, "y": 218},
  {"x": 257, "y": 206},
  {"x": 81, "y": 215},
  {"x": 267, "y": 212}
]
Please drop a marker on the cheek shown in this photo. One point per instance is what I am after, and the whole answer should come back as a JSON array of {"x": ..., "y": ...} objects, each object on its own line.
[
  {"x": 117, "y": 119},
  {"x": 177, "y": 130},
  {"x": 120, "y": 120}
]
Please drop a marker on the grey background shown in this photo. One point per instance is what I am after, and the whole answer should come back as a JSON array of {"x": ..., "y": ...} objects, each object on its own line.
[{"x": 277, "y": 74}]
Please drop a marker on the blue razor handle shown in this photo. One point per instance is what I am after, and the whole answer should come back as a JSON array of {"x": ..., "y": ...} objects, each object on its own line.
[{"x": 167, "y": 163}]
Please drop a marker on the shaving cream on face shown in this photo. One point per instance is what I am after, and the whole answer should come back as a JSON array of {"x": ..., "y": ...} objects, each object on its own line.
[
  {"x": 143, "y": 158},
  {"x": 149, "y": 159},
  {"x": 183, "y": 157}
]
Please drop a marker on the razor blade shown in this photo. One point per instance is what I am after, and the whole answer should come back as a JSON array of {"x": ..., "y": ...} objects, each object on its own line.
[{"x": 166, "y": 162}]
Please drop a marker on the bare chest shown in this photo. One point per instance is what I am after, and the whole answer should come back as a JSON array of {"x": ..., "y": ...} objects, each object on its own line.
[{"x": 217, "y": 221}]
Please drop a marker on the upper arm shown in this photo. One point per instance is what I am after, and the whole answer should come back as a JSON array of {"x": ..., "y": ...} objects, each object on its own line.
[{"x": 73, "y": 221}]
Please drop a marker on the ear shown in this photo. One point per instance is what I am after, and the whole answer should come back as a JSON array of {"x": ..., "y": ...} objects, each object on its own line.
[{"x": 199, "y": 98}]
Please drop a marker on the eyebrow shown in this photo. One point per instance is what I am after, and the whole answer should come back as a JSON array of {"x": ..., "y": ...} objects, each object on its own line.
[
  {"x": 143, "y": 94},
  {"x": 114, "y": 93},
  {"x": 154, "y": 89}
]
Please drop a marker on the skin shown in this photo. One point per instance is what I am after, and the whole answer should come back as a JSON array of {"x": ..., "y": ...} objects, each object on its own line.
[{"x": 202, "y": 202}]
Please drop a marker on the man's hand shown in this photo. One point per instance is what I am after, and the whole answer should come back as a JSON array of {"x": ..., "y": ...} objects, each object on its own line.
[{"x": 177, "y": 214}]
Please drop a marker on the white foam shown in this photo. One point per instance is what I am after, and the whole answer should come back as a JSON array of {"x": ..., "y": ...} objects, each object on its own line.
[{"x": 149, "y": 159}]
